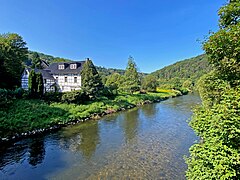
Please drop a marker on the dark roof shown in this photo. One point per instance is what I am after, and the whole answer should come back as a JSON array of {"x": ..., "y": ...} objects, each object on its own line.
[
  {"x": 45, "y": 73},
  {"x": 53, "y": 68}
]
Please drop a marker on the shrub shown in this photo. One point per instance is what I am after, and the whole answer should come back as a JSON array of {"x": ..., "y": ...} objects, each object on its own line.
[{"x": 76, "y": 97}]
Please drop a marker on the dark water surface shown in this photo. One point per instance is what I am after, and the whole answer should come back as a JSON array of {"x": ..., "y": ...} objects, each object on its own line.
[{"x": 145, "y": 143}]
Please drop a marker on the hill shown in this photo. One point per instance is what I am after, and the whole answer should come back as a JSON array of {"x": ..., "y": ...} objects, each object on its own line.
[{"x": 188, "y": 71}]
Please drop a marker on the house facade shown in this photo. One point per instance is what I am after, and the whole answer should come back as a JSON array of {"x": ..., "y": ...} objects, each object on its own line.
[{"x": 62, "y": 77}]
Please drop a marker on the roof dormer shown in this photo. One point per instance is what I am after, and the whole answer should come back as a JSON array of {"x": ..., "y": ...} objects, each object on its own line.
[
  {"x": 73, "y": 66},
  {"x": 61, "y": 66}
]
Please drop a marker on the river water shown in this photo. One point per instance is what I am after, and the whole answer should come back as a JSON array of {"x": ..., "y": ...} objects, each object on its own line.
[{"x": 148, "y": 142}]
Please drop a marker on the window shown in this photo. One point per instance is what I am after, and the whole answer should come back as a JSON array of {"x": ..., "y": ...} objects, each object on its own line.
[
  {"x": 62, "y": 87},
  {"x": 61, "y": 66},
  {"x": 75, "y": 79},
  {"x": 65, "y": 79},
  {"x": 73, "y": 66}
]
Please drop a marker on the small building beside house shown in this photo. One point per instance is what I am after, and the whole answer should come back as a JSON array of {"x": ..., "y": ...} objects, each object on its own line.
[{"x": 62, "y": 77}]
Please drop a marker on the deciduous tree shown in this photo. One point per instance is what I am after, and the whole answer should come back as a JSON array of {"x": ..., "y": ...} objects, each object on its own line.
[{"x": 13, "y": 52}]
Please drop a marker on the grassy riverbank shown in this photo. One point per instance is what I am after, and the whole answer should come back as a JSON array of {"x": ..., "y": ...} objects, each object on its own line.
[{"x": 27, "y": 115}]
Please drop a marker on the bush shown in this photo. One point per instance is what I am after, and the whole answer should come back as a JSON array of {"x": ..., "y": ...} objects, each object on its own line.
[
  {"x": 52, "y": 96},
  {"x": 6, "y": 96},
  {"x": 76, "y": 97}
]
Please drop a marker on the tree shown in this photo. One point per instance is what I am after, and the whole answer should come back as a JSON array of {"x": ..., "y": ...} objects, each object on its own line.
[
  {"x": 131, "y": 78},
  {"x": 91, "y": 81},
  {"x": 36, "y": 61},
  {"x": 39, "y": 84},
  {"x": 187, "y": 84},
  {"x": 32, "y": 85},
  {"x": 217, "y": 120},
  {"x": 114, "y": 81},
  {"x": 149, "y": 83},
  {"x": 35, "y": 84},
  {"x": 13, "y": 52},
  {"x": 229, "y": 15}
]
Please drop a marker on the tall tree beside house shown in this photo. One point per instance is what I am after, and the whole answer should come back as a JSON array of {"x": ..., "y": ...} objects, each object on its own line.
[
  {"x": 35, "y": 84},
  {"x": 131, "y": 77},
  {"x": 13, "y": 52},
  {"x": 39, "y": 84},
  {"x": 91, "y": 81},
  {"x": 32, "y": 85},
  {"x": 36, "y": 61}
]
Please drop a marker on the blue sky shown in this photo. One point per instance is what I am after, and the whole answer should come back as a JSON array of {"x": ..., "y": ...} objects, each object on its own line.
[{"x": 155, "y": 32}]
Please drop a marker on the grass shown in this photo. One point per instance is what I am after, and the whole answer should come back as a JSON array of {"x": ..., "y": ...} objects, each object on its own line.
[{"x": 26, "y": 115}]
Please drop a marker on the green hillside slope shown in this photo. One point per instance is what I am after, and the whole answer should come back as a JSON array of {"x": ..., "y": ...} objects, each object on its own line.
[{"x": 187, "y": 71}]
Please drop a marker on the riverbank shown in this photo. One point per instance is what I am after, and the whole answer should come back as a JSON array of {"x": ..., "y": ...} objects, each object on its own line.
[{"x": 29, "y": 117}]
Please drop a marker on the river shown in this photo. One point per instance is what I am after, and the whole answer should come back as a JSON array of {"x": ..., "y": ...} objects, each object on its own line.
[{"x": 148, "y": 142}]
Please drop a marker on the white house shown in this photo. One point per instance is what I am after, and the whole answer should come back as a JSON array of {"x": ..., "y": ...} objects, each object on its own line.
[{"x": 63, "y": 76}]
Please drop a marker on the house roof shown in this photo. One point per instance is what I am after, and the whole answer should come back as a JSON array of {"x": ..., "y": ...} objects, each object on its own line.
[
  {"x": 54, "y": 68},
  {"x": 45, "y": 73}
]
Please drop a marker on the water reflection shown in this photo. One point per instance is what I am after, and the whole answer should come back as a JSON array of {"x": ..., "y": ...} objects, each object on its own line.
[
  {"x": 149, "y": 110},
  {"x": 83, "y": 138},
  {"x": 31, "y": 149},
  {"x": 130, "y": 124},
  {"x": 10, "y": 154},
  {"x": 36, "y": 151}
]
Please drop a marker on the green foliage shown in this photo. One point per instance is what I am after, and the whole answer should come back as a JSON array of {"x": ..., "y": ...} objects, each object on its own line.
[
  {"x": 76, "y": 97},
  {"x": 131, "y": 78},
  {"x": 211, "y": 88},
  {"x": 218, "y": 157},
  {"x": 149, "y": 83},
  {"x": 32, "y": 84},
  {"x": 223, "y": 50},
  {"x": 35, "y": 84},
  {"x": 13, "y": 52},
  {"x": 39, "y": 84},
  {"x": 7, "y": 95},
  {"x": 114, "y": 81},
  {"x": 48, "y": 58},
  {"x": 52, "y": 97},
  {"x": 36, "y": 61},
  {"x": 24, "y": 115},
  {"x": 175, "y": 75},
  {"x": 188, "y": 84},
  {"x": 229, "y": 15},
  {"x": 91, "y": 81},
  {"x": 217, "y": 121}
]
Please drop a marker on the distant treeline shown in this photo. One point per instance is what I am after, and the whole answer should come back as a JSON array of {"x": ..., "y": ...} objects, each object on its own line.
[{"x": 183, "y": 73}]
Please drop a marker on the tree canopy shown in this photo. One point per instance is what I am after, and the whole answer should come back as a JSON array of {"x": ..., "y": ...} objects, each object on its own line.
[
  {"x": 13, "y": 52},
  {"x": 131, "y": 77},
  {"x": 217, "y": 121},
  {"x": 91, "y": 81}
]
